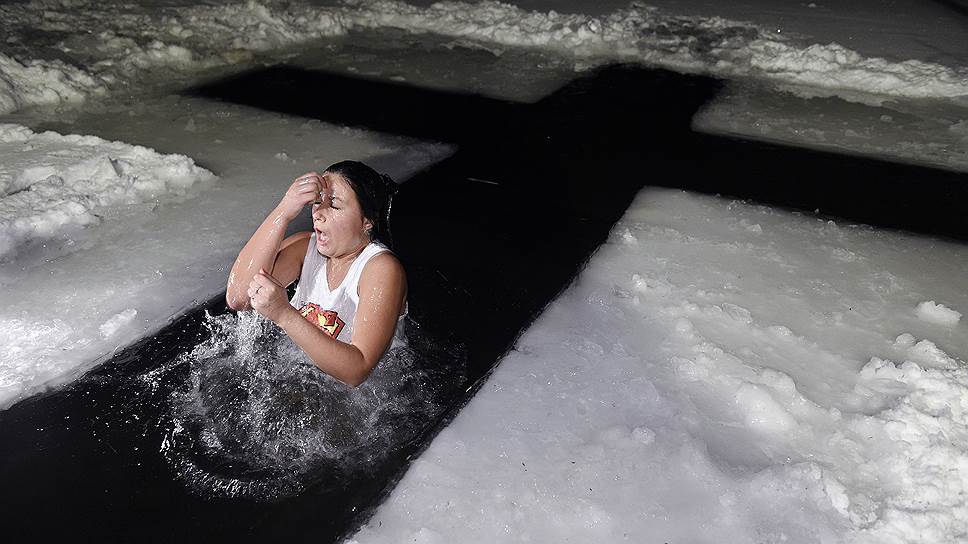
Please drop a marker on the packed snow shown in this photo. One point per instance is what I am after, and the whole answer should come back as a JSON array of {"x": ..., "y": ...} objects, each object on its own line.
[
  {"x": 112, "y": 325},
  {"x": 938, "y": 313},
  {"x": 896, "y": 30},
  {"x": 720, "y": 372},
  {"x": 35, "y": 81},
  {"x": 929, "y": 132},
  {"x": 698, "y": 44},
  {"x": 50, "y": 182},
  {"x": 66, "y": 50}
]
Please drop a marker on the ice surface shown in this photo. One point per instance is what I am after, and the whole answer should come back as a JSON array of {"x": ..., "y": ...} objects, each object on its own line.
[
  {"x": 701, "y": 44},
  {"x": 897, "y": 128},
  {"x": 929, "y": 132},
  {"x": 720, "y": 372},
  {"x": 72, "y": 295},
  {"x": 456, "y": 64}
]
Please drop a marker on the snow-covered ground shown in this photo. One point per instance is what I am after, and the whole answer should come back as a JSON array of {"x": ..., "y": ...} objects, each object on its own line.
[
  {"x": 62, "y": 51},
  {"x": 897, "y": 57},
  {"x": 720, "y": 372},
  {"x": 931, "y": 132}
]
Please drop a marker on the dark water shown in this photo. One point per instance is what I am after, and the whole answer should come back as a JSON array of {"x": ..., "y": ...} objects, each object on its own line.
[
  {"x": 249, "y": 415},
  {"x": 216, "y": 429}
]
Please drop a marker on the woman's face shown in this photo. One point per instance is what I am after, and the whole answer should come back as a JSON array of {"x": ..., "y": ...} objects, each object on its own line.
[{"x": 340, "y": 226}]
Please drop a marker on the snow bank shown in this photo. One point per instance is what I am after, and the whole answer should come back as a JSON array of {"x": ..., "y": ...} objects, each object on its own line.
[
  {"x": 113, "y": 42},
  {"x": 833, "y": 66},
  {"x": 42, "y": 82},
  {"x": 50, "y": 182},
  {"x": 696, "y": 44},
  {"x": 720, "y": 372},
  {"x": 938, "y": 313}
]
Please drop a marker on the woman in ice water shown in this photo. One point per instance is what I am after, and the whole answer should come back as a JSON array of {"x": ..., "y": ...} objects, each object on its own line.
[{"x": 350, "y": 302}]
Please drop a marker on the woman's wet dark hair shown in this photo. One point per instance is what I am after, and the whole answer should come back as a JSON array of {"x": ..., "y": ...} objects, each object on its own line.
[{"x": 374, "y": 191}]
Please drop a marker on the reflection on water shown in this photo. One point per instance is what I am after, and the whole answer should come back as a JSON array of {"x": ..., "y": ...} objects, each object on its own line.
[{"x": 254, "y": 418}]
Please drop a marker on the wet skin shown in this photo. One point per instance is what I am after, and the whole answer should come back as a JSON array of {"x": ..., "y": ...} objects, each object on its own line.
[{"x": 342, "y": 234}]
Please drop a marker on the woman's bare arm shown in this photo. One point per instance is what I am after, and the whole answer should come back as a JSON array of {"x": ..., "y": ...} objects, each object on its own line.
[
  {"x": 289, "y": 260},
  {"x": 382, "y": 288},
  {"x": 265, "y": 245}
]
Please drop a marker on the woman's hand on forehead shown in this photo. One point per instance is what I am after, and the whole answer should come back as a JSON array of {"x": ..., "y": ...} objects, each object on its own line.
[
  {"x": 309, "y": 177},
  {"x": 323, "y": 183},
  {"x": 330, "y": 186}
]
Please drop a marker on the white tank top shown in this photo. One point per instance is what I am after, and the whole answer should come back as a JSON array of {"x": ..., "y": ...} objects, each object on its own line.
[{"x": 333, "y": 311}]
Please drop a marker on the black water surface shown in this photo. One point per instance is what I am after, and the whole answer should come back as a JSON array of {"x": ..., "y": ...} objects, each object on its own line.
[
  {"x": 488, "y": 237},
  {"x": 958, "y": 6}
]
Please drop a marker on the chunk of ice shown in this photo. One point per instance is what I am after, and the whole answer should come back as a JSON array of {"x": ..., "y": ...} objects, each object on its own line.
[{"x": 938, "y": 314}]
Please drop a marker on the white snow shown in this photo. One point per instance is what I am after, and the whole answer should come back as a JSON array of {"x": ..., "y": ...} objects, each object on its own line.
[
  {"x": 928, "y": 132},
  {"x": 42, "y": 82},
  {"x": 50, "y": 182},
  {"x": 705, "y": 381},
  {"x": 62, "y": 52},
  {"x": 113, "y": 42},
  {"x": 696, "y": 44},
  {"x": 938, "y": 313},
  {"x": 116, "y": 322}
]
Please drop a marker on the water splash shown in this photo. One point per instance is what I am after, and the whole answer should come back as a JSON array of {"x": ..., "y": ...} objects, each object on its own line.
[{"x": 254, "y": 418}]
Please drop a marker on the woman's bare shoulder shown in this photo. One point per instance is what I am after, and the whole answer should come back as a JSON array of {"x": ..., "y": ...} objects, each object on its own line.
[
  {"x": 383, "y": 281},
  {"x": 383, "y": 264}
]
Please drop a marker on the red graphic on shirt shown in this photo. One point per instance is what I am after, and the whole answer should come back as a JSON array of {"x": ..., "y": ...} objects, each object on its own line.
[{"x": 328, "y": 321}]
